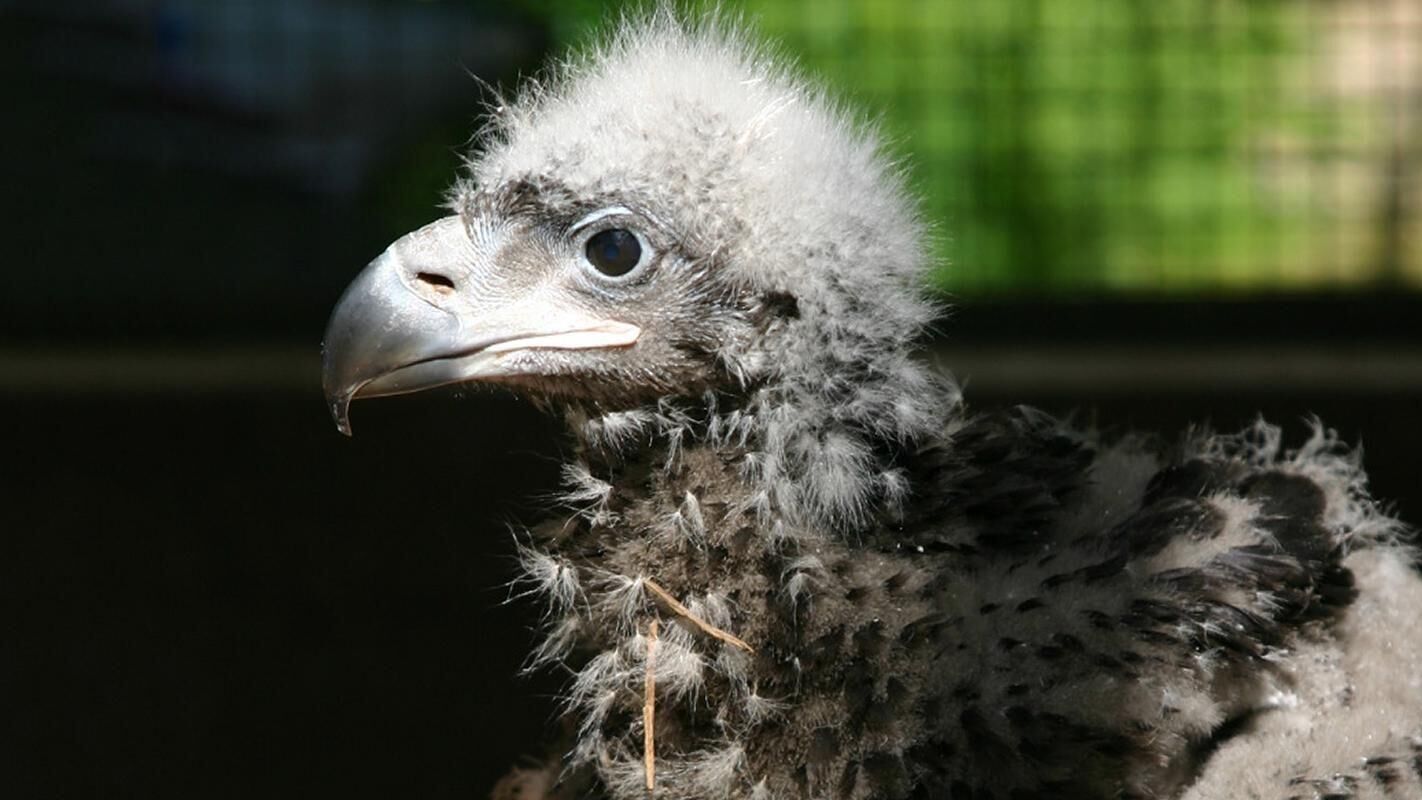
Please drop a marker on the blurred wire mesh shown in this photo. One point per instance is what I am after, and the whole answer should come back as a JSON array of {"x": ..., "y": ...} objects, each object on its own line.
[
  {"x": 1171, "y": 146},
  {"x": 1105, "y": 149}
]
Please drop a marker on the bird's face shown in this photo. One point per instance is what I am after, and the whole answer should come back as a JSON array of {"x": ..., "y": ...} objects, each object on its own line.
[
  {"x": 672, "y": 216},
  {"x": 600, "y": 301}
]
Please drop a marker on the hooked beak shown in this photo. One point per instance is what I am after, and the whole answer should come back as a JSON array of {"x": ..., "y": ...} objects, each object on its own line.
[{"x": 408, "y": 322}]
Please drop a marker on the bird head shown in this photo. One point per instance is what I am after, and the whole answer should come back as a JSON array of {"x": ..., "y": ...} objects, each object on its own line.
[{"x": 669, "y": 214}]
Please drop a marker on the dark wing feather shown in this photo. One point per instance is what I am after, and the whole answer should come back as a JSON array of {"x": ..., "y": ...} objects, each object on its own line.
[{"x": 1174, "y": 608}]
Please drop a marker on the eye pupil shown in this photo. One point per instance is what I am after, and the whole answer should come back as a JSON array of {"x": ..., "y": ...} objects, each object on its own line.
[{"x": 614, "y": 252}]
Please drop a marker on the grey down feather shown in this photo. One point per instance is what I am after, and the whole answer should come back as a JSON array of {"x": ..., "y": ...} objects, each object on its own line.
[{"x": 941, "y": 603}]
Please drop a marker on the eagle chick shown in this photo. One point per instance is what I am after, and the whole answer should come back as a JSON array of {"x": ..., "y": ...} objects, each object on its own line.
[{"x": 714, "y": 272}]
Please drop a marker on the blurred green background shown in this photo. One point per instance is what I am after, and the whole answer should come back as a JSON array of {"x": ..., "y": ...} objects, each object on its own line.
[
  {"x": 1106, "y": 151},
  {"x": 1099, "y": 146}
]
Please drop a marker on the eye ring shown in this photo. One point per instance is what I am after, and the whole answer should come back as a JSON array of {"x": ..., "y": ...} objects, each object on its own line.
[{"x": 614, "y": 252}]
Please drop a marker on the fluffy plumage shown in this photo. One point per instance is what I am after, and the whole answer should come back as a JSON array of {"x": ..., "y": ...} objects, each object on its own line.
[
  {"x": 799, "y": 244},
  {"x": 942, "y": 603}
]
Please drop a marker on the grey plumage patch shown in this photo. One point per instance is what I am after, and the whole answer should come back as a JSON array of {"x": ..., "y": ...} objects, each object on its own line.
[{"x": 550, "y": 576}]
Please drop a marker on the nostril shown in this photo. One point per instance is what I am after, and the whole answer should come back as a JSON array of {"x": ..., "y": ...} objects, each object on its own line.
[{"x": 435, "y": 281}]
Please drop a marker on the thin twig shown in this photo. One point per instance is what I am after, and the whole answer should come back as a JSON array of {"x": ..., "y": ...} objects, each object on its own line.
[
  {"x": 649, "y": 710},
  {"x": 682, "y": 611}
]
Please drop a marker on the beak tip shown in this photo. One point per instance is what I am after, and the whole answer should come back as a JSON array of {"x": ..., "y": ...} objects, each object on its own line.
[{"x": 340, "y": 407}]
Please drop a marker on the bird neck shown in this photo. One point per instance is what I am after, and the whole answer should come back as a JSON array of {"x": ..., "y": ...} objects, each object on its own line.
[
  {"x": 678, "y": 576},
  {"x": 820, "y": 452}
]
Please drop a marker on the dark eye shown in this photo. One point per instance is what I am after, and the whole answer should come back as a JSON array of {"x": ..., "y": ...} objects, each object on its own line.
[{"x": 614, "y": 252}]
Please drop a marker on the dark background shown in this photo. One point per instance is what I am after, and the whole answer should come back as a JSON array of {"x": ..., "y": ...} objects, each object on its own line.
[{"x": 207, "y": 592}]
